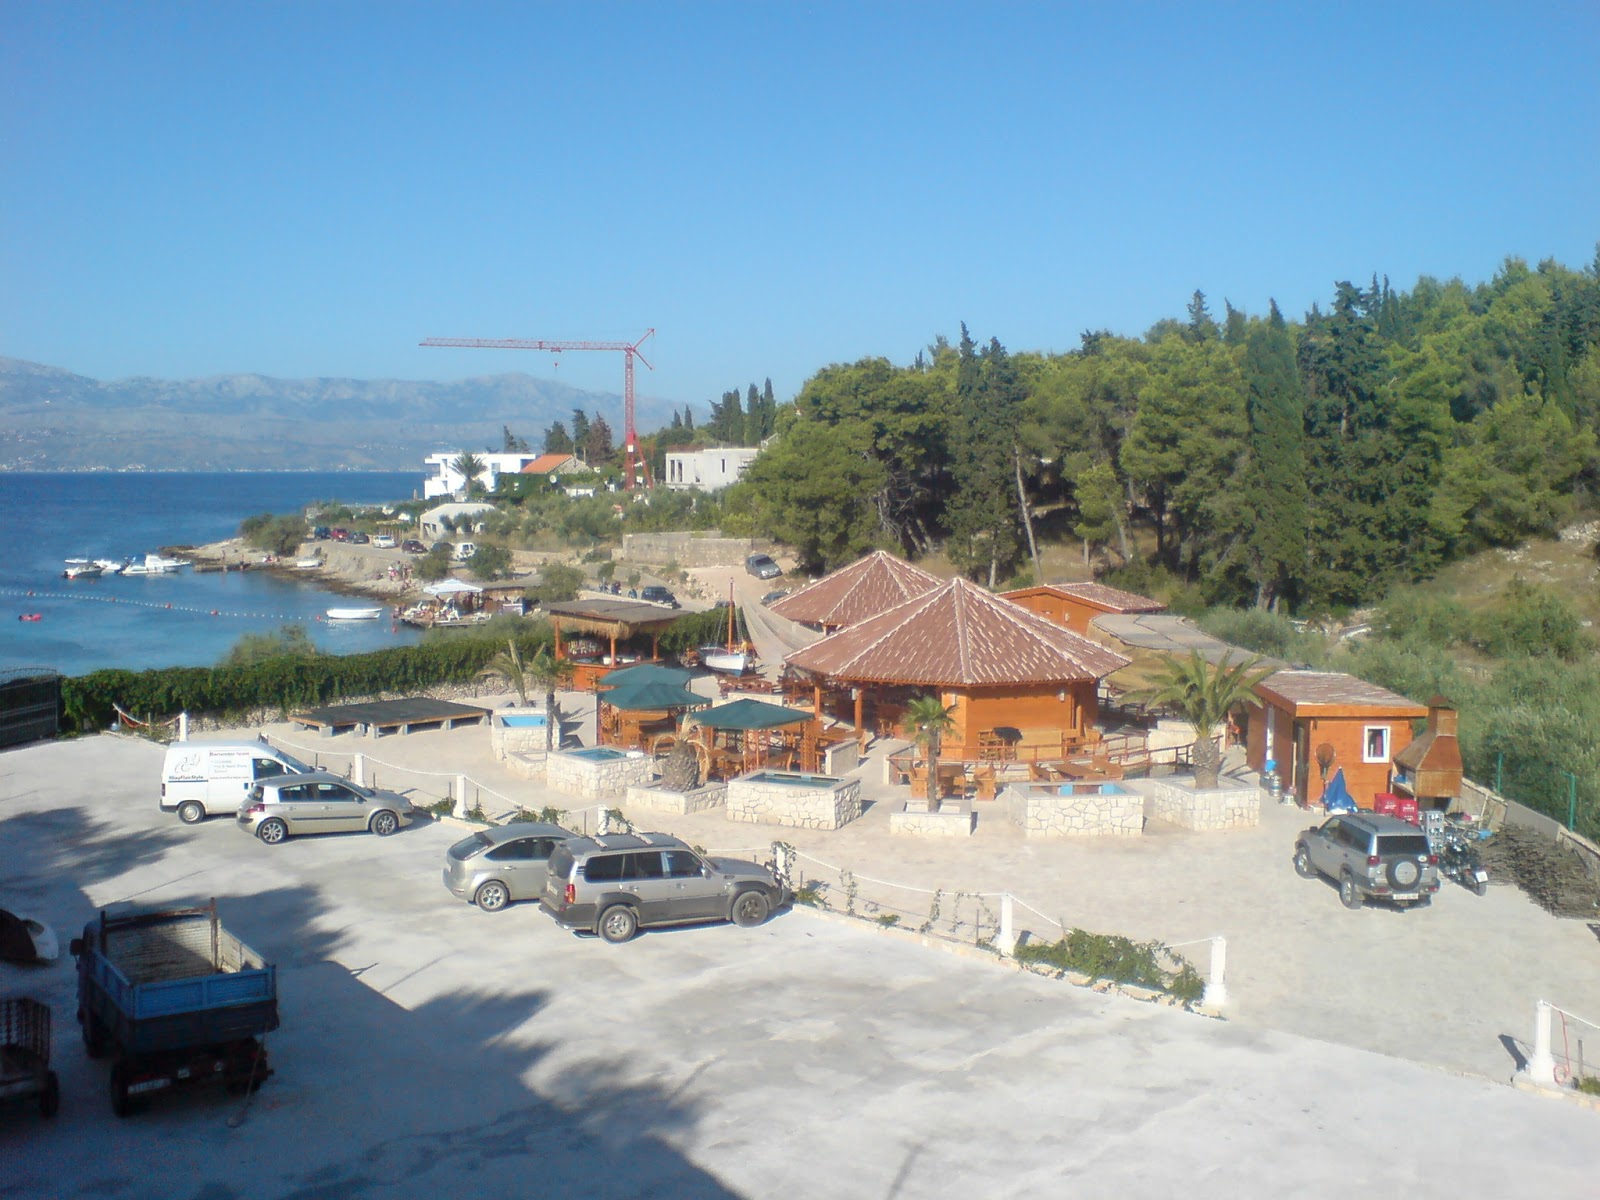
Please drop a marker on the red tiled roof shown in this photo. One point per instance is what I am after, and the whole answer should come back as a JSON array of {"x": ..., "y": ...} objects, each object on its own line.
[
  {"x": 959, "y": 636},
  {"x": 863, "y": 589},
  {"x": 546, "y": 463}
]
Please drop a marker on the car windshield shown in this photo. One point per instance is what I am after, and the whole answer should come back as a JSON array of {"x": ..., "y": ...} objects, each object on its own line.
[
  {"x": 1415, "y": 844},
  {"x": 468, "y": 846}
]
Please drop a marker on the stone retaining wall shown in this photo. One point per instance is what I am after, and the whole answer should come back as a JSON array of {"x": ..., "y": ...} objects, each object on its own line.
[
  {"x": 678, "y": 803},
  {"x": 1041, "y": 811},
  {"x": 800, "y": 807},
  {"x": 686, "y": 549},
  {"x": 1230, "y": 805},
  {"x": 951, "y": 819},
  {"x": 608, "y": 779}
]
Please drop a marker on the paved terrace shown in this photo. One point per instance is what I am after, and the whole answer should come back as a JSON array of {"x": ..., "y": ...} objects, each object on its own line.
[{"x": 1452, "y": 985}]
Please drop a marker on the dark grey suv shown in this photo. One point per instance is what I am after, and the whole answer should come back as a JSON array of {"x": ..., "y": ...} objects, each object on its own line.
[
  {"x": 1370, "y": 855},
  {"x": 616, "y": 884}
]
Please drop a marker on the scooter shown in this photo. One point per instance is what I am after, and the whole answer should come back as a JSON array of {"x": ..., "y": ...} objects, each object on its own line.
[{"x": 1459, "y": 860}]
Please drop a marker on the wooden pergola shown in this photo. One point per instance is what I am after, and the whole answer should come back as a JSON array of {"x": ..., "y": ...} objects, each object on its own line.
[{"x": 614, "y": 620}]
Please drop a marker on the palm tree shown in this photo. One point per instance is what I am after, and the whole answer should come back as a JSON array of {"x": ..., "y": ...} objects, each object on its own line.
[
  {"x": 550, "y": 673},
  {"x": 1202, "y": 695},
  {"x": 469, "y": 466},
  {"x": 509, "y": 666},
  {"x": 926, "y": 723}
]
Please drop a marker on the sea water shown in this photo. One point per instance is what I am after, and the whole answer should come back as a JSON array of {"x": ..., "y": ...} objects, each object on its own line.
[{"x": 181, "y": 619}]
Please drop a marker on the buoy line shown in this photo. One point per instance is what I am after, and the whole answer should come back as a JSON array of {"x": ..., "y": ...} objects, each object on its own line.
[{"x": 32, "y": 594}]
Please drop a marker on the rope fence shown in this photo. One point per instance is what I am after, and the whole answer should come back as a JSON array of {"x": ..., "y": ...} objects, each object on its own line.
[{"x": 1558, "y": 1059}]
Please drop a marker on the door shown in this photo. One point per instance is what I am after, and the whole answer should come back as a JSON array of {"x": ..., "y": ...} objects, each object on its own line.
[
  {"x": 344, "y": 810},
  {"x": 695, "y": 897},
  {"x": 1327, "y": 848},
  {"x": 645, "y": 879},
  {"x": 297, "y": 807},
  {"x": 522, "y": 865},
  {"x": 1302, "y": 760}
]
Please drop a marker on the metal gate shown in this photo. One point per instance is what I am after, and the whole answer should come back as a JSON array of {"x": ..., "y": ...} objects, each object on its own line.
[{"x": 30, "y": 705}]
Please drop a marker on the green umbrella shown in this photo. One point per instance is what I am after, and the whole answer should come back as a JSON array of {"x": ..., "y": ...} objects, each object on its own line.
[
  {"x": 646, "y": 673},
  {"x": 651, "y": 695},
  {"x": 751, "y": 714}
]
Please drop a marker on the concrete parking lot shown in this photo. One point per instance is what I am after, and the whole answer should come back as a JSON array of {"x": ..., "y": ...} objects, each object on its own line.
[{"x": 428, "y": 1048}]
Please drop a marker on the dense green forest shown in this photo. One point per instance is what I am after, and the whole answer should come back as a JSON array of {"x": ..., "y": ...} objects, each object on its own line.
[{"x": 1288, "y": 465}]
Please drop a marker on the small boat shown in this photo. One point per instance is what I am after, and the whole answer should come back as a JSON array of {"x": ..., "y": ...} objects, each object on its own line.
[
  {"x": 154, "y": 564},
  {"x": 307, "y": 564},
  {"x": 111, "y": 566},
  {"x": 30, "y": 616},
  {"x": 735, "y": 658},
  {"x": 81, "y": 568},
  {"x": 354, "y": 614}
]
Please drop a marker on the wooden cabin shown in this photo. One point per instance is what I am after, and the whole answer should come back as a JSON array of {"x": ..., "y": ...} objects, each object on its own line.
[{"x": 1076, "y": 605}]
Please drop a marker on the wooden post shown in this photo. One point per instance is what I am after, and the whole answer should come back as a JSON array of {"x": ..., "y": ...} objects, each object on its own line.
[
  {"x": 816, "y": 700},
  {"x": 555, "y": 625},
  {"x": 861, "y": 733}
]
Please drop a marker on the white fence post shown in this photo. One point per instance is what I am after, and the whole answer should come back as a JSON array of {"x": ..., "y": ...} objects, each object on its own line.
[
  {"x": 1541, "y": 1067},
  {"x": 358, "y": 770},
  {"x": 183, "y": 727},
  {"x": 1006, "y": 940},
  {"x": 1216, "y": 993},
  {"x": 461, "y": 797}
]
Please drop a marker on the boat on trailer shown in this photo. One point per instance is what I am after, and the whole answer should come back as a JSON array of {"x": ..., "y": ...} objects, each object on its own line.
[{"x": 734, "y": 658}]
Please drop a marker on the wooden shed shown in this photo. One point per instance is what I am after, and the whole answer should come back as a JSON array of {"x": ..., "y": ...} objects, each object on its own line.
[
  {"x": 1075, "y": 605},
  {"x": 1316, "y": 722}
]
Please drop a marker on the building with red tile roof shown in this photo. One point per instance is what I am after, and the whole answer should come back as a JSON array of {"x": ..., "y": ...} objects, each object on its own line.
[{"x": 865, "y": 588}]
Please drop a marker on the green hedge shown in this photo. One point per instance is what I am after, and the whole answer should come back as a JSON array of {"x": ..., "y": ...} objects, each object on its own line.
[{"x": 283, "y": 683}]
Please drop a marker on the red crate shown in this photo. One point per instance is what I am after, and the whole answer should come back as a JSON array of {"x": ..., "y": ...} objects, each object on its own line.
[
  {"x": 1406, "y": 808},
  {"x": 1385, "y": 803}
]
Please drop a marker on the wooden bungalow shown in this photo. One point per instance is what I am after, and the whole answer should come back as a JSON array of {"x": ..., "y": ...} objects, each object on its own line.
[
  {"x": 1316, "y": 722},
  {"x": 1075, "y": 605},
  {"x": 615, "y": 621},
  {"x": 1006, "y": 674},
  {"x": 865, "y": 588}
]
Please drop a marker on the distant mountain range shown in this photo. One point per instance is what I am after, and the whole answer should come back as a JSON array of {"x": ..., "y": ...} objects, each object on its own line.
[{"x": 53, "y": 420}]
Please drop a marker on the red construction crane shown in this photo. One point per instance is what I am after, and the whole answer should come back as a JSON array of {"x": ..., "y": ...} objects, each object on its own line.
[{"x": 636, "y": 468}]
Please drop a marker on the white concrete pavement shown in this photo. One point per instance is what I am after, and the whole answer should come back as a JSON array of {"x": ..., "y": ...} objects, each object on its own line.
[{"x": 428, "y": 1048}]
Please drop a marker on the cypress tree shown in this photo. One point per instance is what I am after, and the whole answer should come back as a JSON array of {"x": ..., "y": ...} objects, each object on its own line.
[{"x": 1275, "y": 484}]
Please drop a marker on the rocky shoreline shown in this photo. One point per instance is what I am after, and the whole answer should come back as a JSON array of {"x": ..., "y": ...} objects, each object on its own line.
[{"x": 347, "y": 570}]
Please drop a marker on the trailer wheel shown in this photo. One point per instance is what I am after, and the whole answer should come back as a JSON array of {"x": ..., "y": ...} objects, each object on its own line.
[
  {"x": 121, "y": 1102},
  {"x": 95, "y": 1043},
  {"x": 50, "y": 1097}
]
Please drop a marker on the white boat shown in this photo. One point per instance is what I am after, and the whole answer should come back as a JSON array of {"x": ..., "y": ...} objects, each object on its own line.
[
  {"x": 154, "y": 564},
  {"x": 354, "y": 614},
  {"x": 80, "y": 568},
  {"x": 307, "y": 564},
  {"x": 729, "y": 662},
  {"x": 111, "y": 566}
]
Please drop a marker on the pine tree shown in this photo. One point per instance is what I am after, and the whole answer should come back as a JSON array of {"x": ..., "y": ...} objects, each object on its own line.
[
  {"x": 597, "y": 448},
  {"x": 981, "y": 515},
  {"x": 556, "y": 439},
  {"x": 1275, "y": 468},
  {"x": 1201, "y": 327},
  {"x": 580, "y": 430}
]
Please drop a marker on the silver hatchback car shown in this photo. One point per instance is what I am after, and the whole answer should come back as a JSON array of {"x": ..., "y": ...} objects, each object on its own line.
[
  {"x": 495, "y": 866},
  {"x": 318, "y": 802}
]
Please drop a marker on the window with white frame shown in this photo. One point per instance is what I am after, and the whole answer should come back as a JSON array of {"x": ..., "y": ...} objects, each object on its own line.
[{"x": 1375, "y": 744}]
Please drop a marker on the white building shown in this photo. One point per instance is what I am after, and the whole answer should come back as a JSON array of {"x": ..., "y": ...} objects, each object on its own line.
[
  {"x": 707, "y": 470},
  {"x": 462, "y": 517},
  {"x": 445, "y": 480}
]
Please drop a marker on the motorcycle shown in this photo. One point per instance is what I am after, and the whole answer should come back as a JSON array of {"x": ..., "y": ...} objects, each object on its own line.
[{"x": 1459, "y": 860}]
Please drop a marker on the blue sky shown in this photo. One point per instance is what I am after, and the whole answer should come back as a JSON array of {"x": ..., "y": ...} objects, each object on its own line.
[{"x": 311, "y": 189}]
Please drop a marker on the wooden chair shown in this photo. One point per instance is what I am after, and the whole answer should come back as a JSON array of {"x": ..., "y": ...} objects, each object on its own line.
[{"x": 986, "y": 785}]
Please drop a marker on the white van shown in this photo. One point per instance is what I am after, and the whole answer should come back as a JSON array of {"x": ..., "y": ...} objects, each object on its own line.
[
  {"x": 464, "y": 551},
  {"x": 201, "y": 779}
]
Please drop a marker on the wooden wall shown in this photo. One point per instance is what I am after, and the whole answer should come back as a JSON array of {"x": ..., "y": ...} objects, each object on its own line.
[
  {"x": 1037, "y": 712},
  {"x": 1345, "y": 733}
]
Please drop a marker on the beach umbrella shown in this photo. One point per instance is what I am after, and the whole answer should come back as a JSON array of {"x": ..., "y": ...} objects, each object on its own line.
[
  {"x": 651, "y": 695},
  {"x": 451, "y": 587},
  {"x": 646, "y": 673},
  {"x": 750, "y": 714}
]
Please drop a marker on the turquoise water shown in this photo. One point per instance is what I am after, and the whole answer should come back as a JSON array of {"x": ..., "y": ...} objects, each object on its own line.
[
  {"x": 522, "y": 720},
  {"x": 182, "y": 619},
  {"x": 597, "y": 754},
  {"x": 792, "y": 779}
]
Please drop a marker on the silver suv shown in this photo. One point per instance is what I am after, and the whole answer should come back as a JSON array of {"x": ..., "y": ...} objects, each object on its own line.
[
  {"x": 616, "y": 884},
  {"x": 495, "y": 866},
  {"x": 1370, "y": 855}
]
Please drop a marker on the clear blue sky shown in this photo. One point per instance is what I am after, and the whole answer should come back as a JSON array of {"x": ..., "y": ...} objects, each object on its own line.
[{"x": 309, "y": 189}]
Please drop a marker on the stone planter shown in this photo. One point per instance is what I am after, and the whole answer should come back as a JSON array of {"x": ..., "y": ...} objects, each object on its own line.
[
  {"x": 597, "y": 772},
  {"x": 795, "y": 799},
  {"x": 517, "y": 731},
  {"x": 1053, "y": 810},
  {"x": 1176, "y": 800},
  {"x": 678, "y": 803},
  {"x": 952, "y": 818}
]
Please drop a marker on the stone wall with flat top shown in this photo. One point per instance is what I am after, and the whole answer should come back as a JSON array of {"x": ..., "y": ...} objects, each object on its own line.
[{"x": 800, "y": 807}]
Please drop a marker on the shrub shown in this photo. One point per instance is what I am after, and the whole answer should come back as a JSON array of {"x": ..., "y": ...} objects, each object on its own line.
[
  {"x": 254, "y": 647},
  {"x": 557, "y": 582},
  {"x": 274, "y": 534},
  {"x": 1532, "y": 621},
  {"x": 491, "y": 562},
  {"x": 1114, "y": 957},
  {"x": 1415, "y": 618},
  {"x": 1263, "y": 632}
]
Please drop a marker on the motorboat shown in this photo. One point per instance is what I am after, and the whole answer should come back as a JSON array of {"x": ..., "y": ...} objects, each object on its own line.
[
  {"x": 354, "y": 614},
  {"x": 307, "y": 564},
  {"x": 81, "y": 568},
  {"x": 111, "y": 566},
  {"x": 154, "y": 564}
]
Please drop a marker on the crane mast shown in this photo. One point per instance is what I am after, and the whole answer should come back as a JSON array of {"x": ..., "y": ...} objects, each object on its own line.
[{"x": 636, "y": 468}]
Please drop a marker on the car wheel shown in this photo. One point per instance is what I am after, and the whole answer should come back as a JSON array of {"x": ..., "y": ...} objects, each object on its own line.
[
  {"x": 1350, "y": 895},
  {"x": 492, "y": 896},
  {"x": 191, "y": 813},
  {"x": 618, "y": 923},
  {"x": 384, "y": 823},
  {"x": 1302, "y": 863},
  {"x": 750, "y": 909},
  {"x": 272, "y": 832}
]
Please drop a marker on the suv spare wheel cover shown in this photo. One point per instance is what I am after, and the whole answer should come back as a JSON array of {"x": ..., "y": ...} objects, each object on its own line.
[{"x": 1404, "y": 873}]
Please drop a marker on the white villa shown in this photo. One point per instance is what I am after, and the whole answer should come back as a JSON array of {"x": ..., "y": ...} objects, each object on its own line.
[
  {"x": 432, "y": 526},
  {"x": 445, "y": 480},
  {"x": 707, "y": 470}
]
